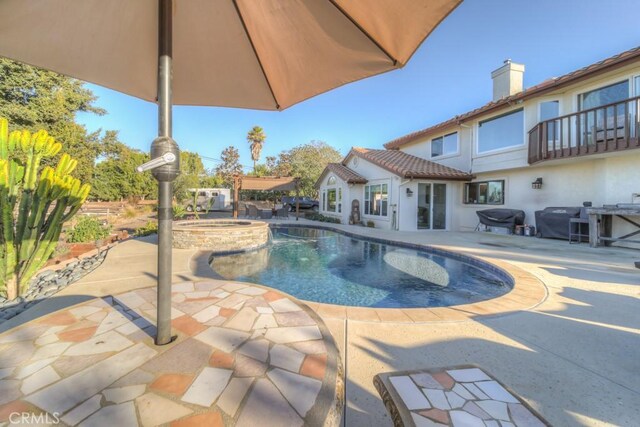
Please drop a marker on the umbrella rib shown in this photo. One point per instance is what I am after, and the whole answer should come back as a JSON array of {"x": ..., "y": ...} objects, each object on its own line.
[
  {"x": 255, "y": 52},
  {"x": 363, "y": 31}
]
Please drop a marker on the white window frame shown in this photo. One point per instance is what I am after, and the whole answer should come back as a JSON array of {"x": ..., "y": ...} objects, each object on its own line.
[
  {"x": 449, "y": 155},
  {"x": 613, "y": 82},
  {"x": 365, "y": 200},
  {"x": 539, "y": 112},
  {"x": 335, "y": 207},
  {"x": 505, "y": 149},
  {"x": 447, "y": 205},
  {"x": 543, "y": 101},
  {"x": 635, "y": 88},
  {"x": 335, "y": 186}
]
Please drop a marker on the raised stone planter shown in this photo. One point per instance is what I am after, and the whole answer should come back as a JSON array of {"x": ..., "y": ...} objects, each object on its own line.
[
  {"x": 48, "y": 282},
  {"x": 220, "y": 235}
]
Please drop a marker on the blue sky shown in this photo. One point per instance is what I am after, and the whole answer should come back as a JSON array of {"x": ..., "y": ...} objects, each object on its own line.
[{"x": 448, "y": 75}]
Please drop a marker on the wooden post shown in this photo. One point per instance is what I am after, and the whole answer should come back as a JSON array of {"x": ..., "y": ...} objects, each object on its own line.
[
  {"x": 606, "y": 228},
  {"x": 594, "y": 230},
  {"x": 236, "y": 202},
  {"x": 297, "y": 199}
]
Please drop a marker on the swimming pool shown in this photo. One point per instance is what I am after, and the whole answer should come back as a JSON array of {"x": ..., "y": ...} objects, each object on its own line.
[{"x": 328, "y": 267}]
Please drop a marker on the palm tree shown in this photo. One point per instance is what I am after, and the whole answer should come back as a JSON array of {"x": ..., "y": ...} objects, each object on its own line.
[{"x": 256, "y": 138}]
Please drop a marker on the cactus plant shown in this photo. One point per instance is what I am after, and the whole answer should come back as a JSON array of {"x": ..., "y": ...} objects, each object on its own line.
[{"x": 34, "y": 204}]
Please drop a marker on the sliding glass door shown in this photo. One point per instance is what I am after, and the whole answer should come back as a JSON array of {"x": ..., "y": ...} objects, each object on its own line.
[{"x": 432, "y": 207}]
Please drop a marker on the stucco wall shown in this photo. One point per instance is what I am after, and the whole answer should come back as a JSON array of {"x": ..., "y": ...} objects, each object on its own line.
[
  {"x": 468, "y": 159},
  {"x": 408, "y": 210},
  {"x": 343, "y": 216},
  {"x": 460, "y": 160},
  {"x": 607, "y": 180},
  {"x": 350, "y": 192}
]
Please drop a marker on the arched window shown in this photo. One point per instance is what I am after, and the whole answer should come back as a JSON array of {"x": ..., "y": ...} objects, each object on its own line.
[{"x": 331, "y": 181}]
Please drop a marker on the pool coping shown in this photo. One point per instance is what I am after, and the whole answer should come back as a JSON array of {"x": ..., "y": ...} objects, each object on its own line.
[{"x": 527, "y": 292}]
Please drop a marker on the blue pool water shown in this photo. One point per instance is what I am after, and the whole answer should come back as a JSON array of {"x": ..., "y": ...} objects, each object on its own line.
[{"x": 328, "y": 267}]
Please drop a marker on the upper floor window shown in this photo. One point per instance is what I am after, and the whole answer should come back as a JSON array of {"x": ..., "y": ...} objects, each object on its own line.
[
  {"x": 331, "y": 181},
  {"x": 444, "y": 145},
  {"x": 501, "y": 132},
  {"x": 549, "y": 110},
  {"x": 604, "y": 95}
]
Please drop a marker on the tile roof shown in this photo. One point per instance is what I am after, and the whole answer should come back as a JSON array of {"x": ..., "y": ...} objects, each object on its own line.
[
  {"x": 346, "y": 174},
  {"x": 537, "y": 90},
  {"x": 408, "y": 166},
  {"x": 343, "y": 172}
]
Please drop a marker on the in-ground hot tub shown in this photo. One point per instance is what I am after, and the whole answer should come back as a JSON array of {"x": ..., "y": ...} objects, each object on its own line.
[{"x": 220, "y": 235}]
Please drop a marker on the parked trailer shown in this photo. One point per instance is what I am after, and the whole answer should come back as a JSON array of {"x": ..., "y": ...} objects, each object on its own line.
[{"x": 209, "y": 199}]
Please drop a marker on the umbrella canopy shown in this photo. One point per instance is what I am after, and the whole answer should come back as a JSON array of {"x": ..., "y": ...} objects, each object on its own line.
[
  {"x": 262, "y": 54},
  {"x": 266, "y": 54}
]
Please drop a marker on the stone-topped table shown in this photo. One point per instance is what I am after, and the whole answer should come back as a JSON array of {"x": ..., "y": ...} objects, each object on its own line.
[
  {"x": 462, "y": 396},
  {"x": 244, "y": 355}
]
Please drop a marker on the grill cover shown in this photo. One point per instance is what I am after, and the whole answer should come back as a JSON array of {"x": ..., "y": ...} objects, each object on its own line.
[
  {"x": 508, "y": 218},
  {"x": 553, "y": 223}
]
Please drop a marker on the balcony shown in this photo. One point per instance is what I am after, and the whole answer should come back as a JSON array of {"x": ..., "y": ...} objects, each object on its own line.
[{"x": 609, "y": 128}]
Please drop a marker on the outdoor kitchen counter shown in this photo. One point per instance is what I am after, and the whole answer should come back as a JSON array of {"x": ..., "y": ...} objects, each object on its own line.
[{"x": 600, "y": 225}]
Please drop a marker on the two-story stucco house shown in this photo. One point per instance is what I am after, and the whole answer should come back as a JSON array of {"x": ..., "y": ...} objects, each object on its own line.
[{"x": 576, "y": 134}]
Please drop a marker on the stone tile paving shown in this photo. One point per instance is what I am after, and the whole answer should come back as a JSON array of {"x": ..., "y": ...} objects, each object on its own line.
[
  {"x": 244, "y": 355},
  {"x": 459, "y": 397}
]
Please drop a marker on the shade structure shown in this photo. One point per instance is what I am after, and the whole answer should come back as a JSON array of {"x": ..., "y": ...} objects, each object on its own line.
[
  {"x": 267, "y": 183},
  {"x": 260, "y": 54},
  {"x": 264, "y": 183}
]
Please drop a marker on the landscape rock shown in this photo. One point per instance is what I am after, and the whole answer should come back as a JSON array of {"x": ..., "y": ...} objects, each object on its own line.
[{"x": 48, "y": 283}]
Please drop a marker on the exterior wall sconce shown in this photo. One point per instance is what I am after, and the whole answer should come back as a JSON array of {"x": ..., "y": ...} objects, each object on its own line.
[
  {"x": 537, "y": 184},
  {"x": 409, "y": 192}
]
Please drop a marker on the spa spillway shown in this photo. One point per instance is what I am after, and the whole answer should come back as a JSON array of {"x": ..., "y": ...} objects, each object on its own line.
[{"x": 220, "y": 235}]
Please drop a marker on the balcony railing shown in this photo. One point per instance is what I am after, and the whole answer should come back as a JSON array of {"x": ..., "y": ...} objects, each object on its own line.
[{"x": 609, "y": 128}]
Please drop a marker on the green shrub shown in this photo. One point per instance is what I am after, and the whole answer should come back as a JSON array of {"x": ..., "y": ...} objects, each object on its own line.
[
  {"x": 88, "y": 229},
  {"x": 149, "y": 228},
  {"x": 322, "y": 218},
  {"x": 179, "y": 211},
  {"x": 371, "y": 224}
]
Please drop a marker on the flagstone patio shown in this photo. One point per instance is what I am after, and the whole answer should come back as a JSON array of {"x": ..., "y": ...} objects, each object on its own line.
[{"x": 244, "y": 355}]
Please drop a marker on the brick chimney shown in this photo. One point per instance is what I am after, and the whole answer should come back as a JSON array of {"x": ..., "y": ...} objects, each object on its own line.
[{"x": 507, "y": 79}]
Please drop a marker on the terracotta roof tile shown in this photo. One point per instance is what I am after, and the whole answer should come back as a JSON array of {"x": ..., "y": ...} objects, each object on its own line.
[
  {"x": 346, "y": 174},
  {"x": 408, "y": 166},
  {"x": 343, "y": 172},
  {"x": 539, "y": 89}
]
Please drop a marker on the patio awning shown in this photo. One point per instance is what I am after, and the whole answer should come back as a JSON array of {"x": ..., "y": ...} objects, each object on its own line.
[{"x": 267, "y": 183}]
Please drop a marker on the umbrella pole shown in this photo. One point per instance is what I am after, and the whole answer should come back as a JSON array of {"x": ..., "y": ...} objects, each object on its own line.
[{"x": 161, "y": 145}]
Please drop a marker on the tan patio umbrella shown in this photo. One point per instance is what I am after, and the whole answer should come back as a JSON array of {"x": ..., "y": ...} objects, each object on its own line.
[{"x": 261, "y": 54}]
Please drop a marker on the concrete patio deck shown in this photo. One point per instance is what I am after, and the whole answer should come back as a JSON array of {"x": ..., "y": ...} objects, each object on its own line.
[{"x": 573, "y": 357}]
